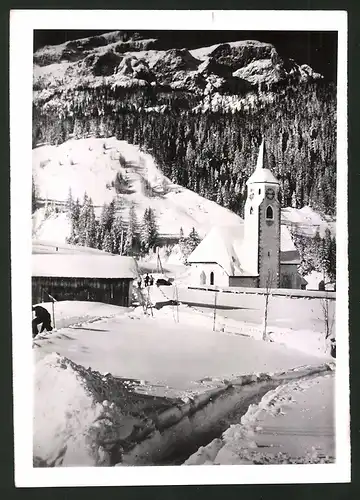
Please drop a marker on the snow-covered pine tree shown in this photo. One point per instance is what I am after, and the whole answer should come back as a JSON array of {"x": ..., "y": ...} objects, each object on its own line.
[
  {"x": 192, "y": 241},
  {"x": 181, "y": 239},
  {"x": 90, "y": 230},
  {"x": 131, "y": 239},
  {"x": 33, "y": 197},
  {"x": 107, "y": 216},
  {"x": 83, "y": 220},
  {"x": 149, "y": 230},
  {"x": 107, "y": 243},
  {"x": 329, "y": 255},
  {"x": 99, "y": 235},
  {"x": 116, "y": 234},
  {"x": 74, "y": 223},
  {"x": 69, "y": 204}
]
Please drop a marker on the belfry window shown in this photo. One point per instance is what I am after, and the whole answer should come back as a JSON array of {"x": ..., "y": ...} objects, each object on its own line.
[
  {"x": 251, "y": 210},
  {"x": 269, "y": 213}
]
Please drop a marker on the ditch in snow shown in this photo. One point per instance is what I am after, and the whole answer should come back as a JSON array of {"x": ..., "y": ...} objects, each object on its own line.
[{"x": 175, "y": 444}]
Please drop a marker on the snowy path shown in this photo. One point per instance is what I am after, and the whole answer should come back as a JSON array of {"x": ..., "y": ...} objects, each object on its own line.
[
  {"x": 167, "y": 353},
  {"x": 305, "y": 424}
]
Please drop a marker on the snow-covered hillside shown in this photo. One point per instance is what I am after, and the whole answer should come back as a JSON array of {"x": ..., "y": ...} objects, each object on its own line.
[
  {"x": 307, "y": 221},
  {"x": 91, "y": 165}
]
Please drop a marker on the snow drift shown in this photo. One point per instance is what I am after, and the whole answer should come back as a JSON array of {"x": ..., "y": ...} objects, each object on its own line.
[{"x": 81, "y": 416}]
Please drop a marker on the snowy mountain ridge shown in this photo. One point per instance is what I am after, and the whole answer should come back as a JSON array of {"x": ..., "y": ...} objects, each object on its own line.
[{"x": 234, "y": 68}]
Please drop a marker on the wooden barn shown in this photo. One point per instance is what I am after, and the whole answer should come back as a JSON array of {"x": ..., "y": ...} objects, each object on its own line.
[{"x": 99, "y": 277}]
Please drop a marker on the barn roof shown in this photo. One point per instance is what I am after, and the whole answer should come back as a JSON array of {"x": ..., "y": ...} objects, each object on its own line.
[
  {"x": 226, "y": 246},
  {"x": 83, "y": 266}
]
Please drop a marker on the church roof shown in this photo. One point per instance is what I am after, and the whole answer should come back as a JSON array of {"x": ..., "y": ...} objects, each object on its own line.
[
  {"x": 226, "y": 246},
  {"x": 220, "y": 245},
  {"x": 261, "y": 172}
]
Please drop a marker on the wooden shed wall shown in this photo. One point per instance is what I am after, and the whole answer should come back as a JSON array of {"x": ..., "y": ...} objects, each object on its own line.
[{"x": 115, "y": 291}]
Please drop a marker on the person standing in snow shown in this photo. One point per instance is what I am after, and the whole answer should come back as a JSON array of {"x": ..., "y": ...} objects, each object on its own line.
[
  {"x": 146, "y": 279},
  {"x": 151, "y": 280},
  {"x": 139, "y": 282},
  {"x": 42, "y": 316}
]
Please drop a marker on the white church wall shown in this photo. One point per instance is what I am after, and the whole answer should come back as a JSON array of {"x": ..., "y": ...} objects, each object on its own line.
[{"x": 201, "y": 270}]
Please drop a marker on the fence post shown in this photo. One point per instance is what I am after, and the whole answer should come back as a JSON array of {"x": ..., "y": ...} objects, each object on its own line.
[
  {"x": 177, "y": 302},
  {"x": 53, "y": 313},
  {"x": 215, "y": 301}
]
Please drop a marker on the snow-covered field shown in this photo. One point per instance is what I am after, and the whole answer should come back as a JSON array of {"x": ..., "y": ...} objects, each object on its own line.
[{"x": 156, "y": 347}]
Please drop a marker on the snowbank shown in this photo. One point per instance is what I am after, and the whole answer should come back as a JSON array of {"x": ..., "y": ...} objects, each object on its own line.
[
  {"x": 71, "y": 418},
  {"x": 83, "y": 417}
]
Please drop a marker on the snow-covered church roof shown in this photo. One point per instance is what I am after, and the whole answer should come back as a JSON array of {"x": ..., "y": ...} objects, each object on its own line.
[{"x": 225, "y": 247}]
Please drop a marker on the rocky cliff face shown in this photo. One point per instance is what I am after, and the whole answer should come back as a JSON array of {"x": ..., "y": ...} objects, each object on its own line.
[{"x": 231, "y": 68}]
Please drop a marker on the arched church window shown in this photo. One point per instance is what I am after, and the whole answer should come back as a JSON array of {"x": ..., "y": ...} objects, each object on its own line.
[
  {"x": 202, "y": 278},
  {"x": 211, "y": 278},
  {"x": 251, "y": 210},
  {"x": 269, "y": 213}
]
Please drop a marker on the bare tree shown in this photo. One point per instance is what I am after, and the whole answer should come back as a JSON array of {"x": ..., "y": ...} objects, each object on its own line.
[
  {"x": 328, "y": 316},
  {"x": 268, "y": 286}
]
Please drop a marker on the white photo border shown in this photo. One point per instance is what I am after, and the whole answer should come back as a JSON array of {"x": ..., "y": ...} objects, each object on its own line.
[{"x": 22, "y": 25}]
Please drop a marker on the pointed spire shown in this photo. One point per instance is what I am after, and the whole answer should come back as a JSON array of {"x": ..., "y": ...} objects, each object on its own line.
[{"x": 262, "y": 156}]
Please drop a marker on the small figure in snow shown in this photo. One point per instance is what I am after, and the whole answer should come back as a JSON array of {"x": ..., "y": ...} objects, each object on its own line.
[
  {"x": 146, "y": 279},
  {"x": 151, "y": 280},
  {"x": 333, "y": 347},
  {"x": 139, "y": 282},
  {"x": 42, "y": 316}
]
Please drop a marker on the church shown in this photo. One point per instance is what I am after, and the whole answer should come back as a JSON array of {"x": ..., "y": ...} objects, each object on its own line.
[{"x": 259, "y": 251}]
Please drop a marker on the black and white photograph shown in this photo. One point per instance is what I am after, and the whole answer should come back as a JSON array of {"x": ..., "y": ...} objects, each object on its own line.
[{"x": 186, "y": 250}]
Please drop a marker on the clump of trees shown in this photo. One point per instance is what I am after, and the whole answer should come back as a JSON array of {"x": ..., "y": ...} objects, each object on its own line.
[
  {"x": 33, "y": 196},
  {"x": 188, "y": 244},
  {"x": 317, "y": 253},
  {"x": 110, "y": 232}
]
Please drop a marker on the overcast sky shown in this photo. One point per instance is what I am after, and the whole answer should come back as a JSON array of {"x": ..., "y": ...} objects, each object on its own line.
[{"x": 318, "y": 49}]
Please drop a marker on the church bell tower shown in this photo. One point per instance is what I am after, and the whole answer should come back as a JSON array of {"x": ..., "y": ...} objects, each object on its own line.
[{"x": 262, "y": 224}]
